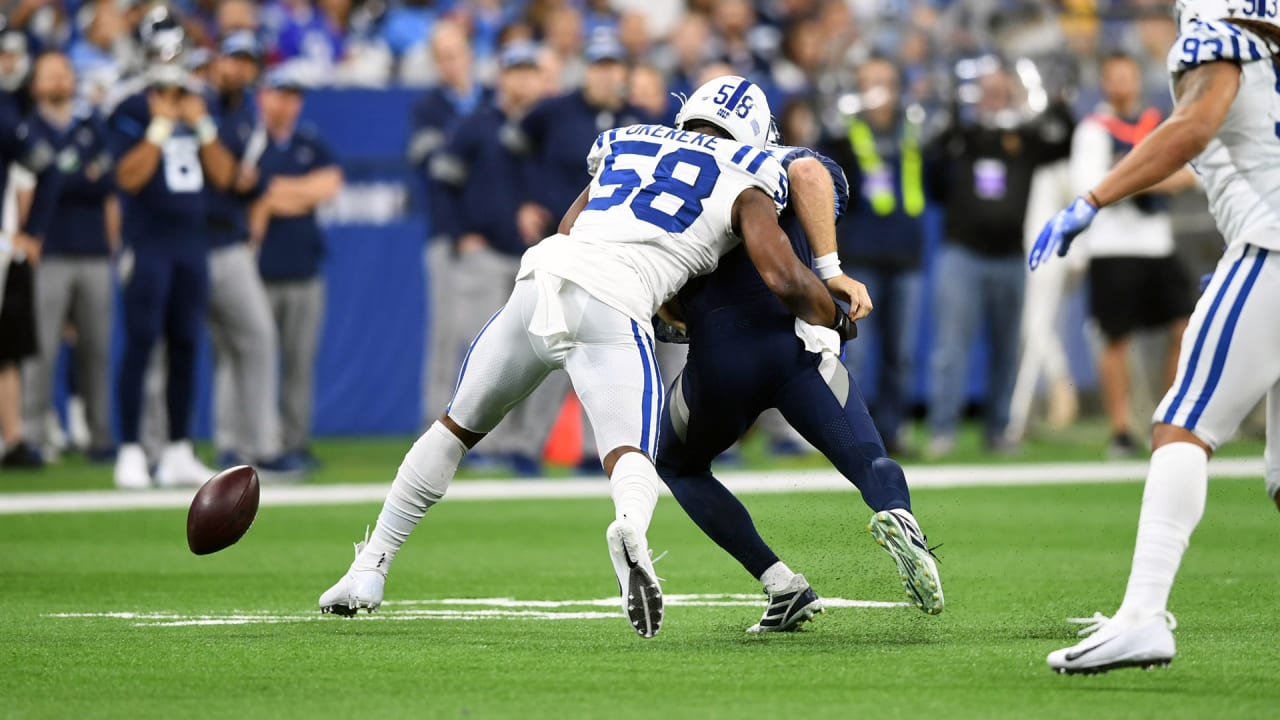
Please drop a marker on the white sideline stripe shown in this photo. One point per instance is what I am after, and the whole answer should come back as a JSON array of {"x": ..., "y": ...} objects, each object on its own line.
[
  {"x": 479, "y": 609},
  {"x": 759, "y": 481}
]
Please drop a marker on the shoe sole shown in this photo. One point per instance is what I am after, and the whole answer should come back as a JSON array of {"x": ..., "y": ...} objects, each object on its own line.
[
  {"x": 347, "y": 610},
  {"x": 915, "y": 567},
  {"x": 643, "y": 594},
  {"x": 805, "y": 614},
  {"x": 1121, "y": 664}
]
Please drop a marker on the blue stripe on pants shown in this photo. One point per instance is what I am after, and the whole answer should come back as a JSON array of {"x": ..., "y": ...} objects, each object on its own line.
[
  {"x": 1224, "y": 342},
  {"x": 647, "y": 399},
  {"x": 467, "y": 358},
  {"x": 661, "y": 397},
  {"x": 1196, "y": 349}
]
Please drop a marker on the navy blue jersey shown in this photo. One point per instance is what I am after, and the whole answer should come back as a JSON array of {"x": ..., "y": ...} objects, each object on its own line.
[
  {"x": 294, "y": 246},
  {"x": 734, "y": 295},
  {"x": 486, "y": 174},
  {"x": 557, "y": 134},
  {"x": 169, "y": 211},
  {"x": 228, "y": 210},
  {"x": 19, "y": 144},
  {"x": 434, "y": 119},
  {"x": 86, "y": 167}
]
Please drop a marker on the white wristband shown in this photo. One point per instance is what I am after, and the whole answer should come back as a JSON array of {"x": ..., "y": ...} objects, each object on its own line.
[
  {"x": 827, "y": 266},
  {"x": 159, "y": 130},
  {"x": 206, "y": 130}
]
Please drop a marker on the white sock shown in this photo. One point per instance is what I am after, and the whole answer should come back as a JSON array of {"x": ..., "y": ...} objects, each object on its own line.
[
  {"x": 634, "y": 486},
  {"x": 421, "y": 482},
  {"x": 1172, "y": 504},
  {"x": 777, "y": 577}
]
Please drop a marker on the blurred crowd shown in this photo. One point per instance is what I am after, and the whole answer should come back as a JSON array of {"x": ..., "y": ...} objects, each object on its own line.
[{"x": 985, "y": 116}]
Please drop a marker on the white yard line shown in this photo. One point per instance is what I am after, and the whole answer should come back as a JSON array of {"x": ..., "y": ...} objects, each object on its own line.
[
  {"x": 454, "y": 609},
  {"x": 919, "y": 477}
]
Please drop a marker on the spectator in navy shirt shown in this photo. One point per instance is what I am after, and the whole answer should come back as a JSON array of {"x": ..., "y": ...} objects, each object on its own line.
[
  {"x": 557, "y": 133},
  {"x": 73, "y": 281},
  {"x": 240, "y": 325},
  {"x": 302, "y": 174},
  {"x": 168, "y": 149},
  {"x": 434, "y": 119},
  {"x": 486, "y": 176}
]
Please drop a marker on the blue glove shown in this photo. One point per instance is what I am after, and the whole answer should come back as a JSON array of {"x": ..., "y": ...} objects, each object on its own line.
[{"x": 1061, "y": 230}]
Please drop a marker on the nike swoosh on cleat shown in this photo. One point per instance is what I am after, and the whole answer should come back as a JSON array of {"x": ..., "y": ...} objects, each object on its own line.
[{"x": 1072, "y": 657}]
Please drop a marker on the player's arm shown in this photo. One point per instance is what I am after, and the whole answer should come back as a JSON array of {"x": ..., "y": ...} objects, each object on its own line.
[
  {"x": 571, "y": 215},
  {"x": 813, "y": 198},
  {"x": 1204, "y": 96},
  {"x": 141, "y": 160},
  {"x": 299, "y": 195},
  {"x": 756, "y": 222}
]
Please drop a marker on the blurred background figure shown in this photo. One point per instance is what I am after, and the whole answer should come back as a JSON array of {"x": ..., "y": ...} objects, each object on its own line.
[
  {"x": 246, "y": 419},
  {"x": 300, "y": 173},
  {"x": 73, "y": 281},
  {"x": 983, "y": 178},
  {"x": 485, "y": 174},
  {"x": 434, "y": 119},
  {"x": 167, "y": 149},
  {"x": 882, "y": 238},
  {"x": 1135, "y": 281}
]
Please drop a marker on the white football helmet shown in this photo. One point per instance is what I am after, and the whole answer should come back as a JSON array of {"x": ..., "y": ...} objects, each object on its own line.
[
  {"x": 1188, "y": 11},
  {"x": 734, "y": 104}
]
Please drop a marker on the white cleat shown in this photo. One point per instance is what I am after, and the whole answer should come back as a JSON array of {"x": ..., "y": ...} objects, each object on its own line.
[
  {"x": 179, "y": 467},
  {"x": 1112, "y": 644},
  {"x": 789, "y": 609},
  {"x": 131, "y": 468},
  {"x": 641, "y": 595},
  {"x": 898, "y": 533},
  {"x": 357, "y": 589}
]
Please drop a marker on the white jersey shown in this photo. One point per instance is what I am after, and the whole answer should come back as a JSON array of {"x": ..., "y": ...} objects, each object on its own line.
[
  {"x": 660, "y": 212},
  {"x": 1241, "y": 165}
]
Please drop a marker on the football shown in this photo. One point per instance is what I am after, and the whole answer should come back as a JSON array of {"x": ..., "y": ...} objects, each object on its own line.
[{"x": 222, "y": 510}]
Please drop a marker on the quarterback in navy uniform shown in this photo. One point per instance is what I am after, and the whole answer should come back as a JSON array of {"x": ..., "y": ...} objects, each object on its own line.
[
  {"x": 168, "y": 149},
  {"x": 747, "y": 353}
]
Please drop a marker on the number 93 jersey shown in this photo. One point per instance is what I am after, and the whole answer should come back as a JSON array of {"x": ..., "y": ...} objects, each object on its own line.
[
  {"x": 1240, "y": 167},
  {"x": 659, "y": 212}
]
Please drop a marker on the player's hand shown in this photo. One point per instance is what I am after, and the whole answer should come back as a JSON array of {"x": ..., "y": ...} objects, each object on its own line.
[
  {"x": 28, "y": 247},
  {"x": 471, "y": 242},
  {"x": 670, "y": 314},
  {"x": 1059, "y": 232},
  {"x": 163, "y": 103},
  {"x": 852, "y": 292},
  {"x": 192, "y": 108},
  {"x": 844, "y": 326},
  {"x": 531, "y": 222},
  {"x": 246, "y": 178}
]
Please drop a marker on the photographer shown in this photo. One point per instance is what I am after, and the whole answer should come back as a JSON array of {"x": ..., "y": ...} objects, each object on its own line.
[{"x": 169, "y": 150}]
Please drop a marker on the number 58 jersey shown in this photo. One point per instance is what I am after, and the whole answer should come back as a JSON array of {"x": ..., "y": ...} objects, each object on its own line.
[
  {"x": 1240, "y": 167},
  {"x": 660, "y": 212}
]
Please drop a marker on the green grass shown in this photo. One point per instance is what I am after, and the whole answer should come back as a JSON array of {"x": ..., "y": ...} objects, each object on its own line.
[{"x": 1015, "y": 562}]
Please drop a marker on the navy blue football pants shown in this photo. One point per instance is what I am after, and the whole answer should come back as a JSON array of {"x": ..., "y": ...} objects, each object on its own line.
[
  {"x": 726, "y": 384},
  {"x": 165, "y": 296}
]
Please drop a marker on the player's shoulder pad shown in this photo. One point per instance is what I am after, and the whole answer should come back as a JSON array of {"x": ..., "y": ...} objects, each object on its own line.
[
  {"x": 765, "y": 169},
  {"x": 1218, "y": 41}
]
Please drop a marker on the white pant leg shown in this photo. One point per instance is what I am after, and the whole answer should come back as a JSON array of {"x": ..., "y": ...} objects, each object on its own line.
[
  {"x": 1230, "y": 356},
  {"x": 614, "y": 369},
  {"x": 504, "y": 364}
]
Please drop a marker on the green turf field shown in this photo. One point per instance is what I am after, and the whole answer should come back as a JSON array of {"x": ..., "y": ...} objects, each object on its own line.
[{"x": 1015, "y": 562}]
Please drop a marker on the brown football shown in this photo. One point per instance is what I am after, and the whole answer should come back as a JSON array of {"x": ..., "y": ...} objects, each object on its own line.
[{"x": 222, "y": 510}]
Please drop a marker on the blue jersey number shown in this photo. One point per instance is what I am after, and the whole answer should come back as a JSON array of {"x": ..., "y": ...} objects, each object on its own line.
[{"x": 665, "y": 182}]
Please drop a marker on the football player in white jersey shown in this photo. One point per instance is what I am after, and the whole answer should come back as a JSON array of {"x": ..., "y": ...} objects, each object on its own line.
[
  {"x": 1226, "y": 123},
  {"x": 662, "y": 207}
]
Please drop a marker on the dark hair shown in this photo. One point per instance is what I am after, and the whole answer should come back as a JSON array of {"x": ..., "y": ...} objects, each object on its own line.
[
  {"x": 1266, "y": 31},
  {"x": 699, "y": 123},
  {"x": 1118, "y": 55}
]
